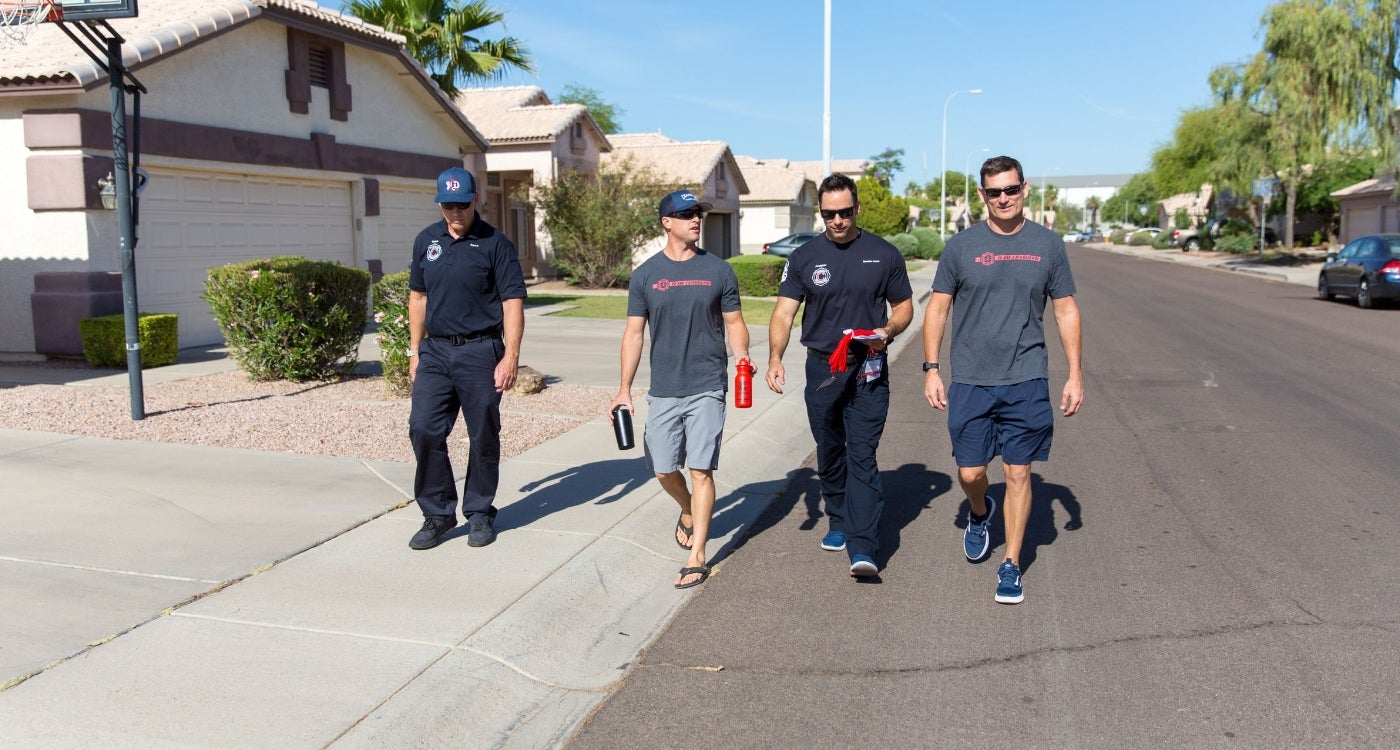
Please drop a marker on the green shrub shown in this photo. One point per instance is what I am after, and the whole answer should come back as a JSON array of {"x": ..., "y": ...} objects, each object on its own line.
[
  {"x": 930, "y": 243},
  {"x": 907, "y": 244},
  {"x": 1118, "y": 236},
  {"x": 759, "y": 275},
  {"x": 104, "y": 339},
  {"x": 391, "y": 313},
  {"x": 1235, "y": 243},
  {"x": 1141, "y": 238},
  {"x": 290, "y": 318},
  {"x": 1162, "y": 241}
]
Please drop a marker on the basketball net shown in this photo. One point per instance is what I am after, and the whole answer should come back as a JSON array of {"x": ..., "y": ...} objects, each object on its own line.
[{"x": 19, "y": 17}]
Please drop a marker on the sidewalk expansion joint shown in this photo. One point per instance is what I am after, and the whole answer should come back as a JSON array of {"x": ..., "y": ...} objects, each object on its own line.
[
  {"x": 535, "y": 678},
  {"x": 406, "y": 495},
  {"x": 115, "y": 571},
  {"x": 313, "y": 631}
]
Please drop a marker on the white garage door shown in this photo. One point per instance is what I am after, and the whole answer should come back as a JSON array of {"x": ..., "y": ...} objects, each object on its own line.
[
  {"x": 192, "y": 221},
  {"x": 403, "y": 212}
]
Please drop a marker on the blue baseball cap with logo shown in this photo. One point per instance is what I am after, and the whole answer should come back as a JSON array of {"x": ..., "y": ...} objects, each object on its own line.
[
  {"x": 456, "y": 185},
  {"x": 680, "y": 201}
]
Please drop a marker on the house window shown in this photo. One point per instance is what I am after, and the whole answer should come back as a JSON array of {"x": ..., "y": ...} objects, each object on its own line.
[
  {"x": 315, "y": 61},
  {"x": 721, "y": 181},
  {"x": 577, "y": 144}
]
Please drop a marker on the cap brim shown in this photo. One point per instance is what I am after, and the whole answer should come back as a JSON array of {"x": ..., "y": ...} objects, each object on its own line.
[{"x": 455, "y": 198}]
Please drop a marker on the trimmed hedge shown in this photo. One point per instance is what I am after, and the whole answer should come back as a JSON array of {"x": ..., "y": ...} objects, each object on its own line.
[
  {"x": 1235, "y": 243},
  {"x": 104, "y": 339},
  {"x": 930, "y": 243},
  {"x": 906, "y": 243},
  {"x": 290, "y": 318},
  {"x": 759, "y": 275},
  {"x": 391, "y": 313}
]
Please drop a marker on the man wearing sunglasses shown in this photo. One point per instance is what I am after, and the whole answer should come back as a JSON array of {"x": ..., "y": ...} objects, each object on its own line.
[
  {"x": 690, "y": 299},
  {"x": 465, "y": 320},
  {"x": 852, "y": 282},
  {"x": 995, "y": 277}
]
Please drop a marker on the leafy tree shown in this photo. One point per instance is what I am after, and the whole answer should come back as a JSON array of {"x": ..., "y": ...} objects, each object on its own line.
[
  {"x": 1187, "y": 162},
  {"x": 596, "y": 221},
  {"x": 1325, "y": 79},
  {"x": 1315, "y": 186},
  {"x": 440, "y": 35},
  {"x": 1123, "y": 205},
  {"x": 608, "y": 116},
  {"x": 881, "y": 212},
  {"x": 884, "y": 164},
  {"x": 1092, "y": 204}
]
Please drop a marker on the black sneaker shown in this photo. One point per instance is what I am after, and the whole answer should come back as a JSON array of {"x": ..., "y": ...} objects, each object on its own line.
[
  {"x": 432, "y": 532},
  {"x": 481, "y": 533}
]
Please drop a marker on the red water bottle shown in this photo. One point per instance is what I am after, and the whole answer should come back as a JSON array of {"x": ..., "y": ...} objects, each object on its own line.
[{"x": 743, "y": 384}]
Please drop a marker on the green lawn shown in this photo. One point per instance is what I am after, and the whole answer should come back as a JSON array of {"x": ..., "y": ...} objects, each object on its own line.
[{"x": 757, "y": 310}]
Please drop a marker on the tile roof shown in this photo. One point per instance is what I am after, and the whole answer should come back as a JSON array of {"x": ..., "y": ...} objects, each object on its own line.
[
  {"x": 522, "y": 114},
  {"x": 770, "y": 183},
  {"x": 814, "y": 170},
  {"x": 1378, "y": 185},
  {"x": 685, "y": 162},
  {"x": 162, "y": 27}
]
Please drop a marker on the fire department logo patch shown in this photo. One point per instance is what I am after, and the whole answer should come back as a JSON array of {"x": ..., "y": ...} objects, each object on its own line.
[
  {"x": 434, "y": 251},
  {"x": 821, "y": 276}
]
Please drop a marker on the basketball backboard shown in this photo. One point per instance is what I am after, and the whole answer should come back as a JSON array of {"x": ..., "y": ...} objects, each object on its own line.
[{"x": 77, "y": 10}]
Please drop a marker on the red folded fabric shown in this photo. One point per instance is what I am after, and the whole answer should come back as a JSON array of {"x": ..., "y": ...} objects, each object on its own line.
[{"x": 838, "y": 356}]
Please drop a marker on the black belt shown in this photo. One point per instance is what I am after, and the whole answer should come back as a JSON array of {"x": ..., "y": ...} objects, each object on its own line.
[
  {"x": 457, "y": 339},
  {"x": 852, "y": 356}
]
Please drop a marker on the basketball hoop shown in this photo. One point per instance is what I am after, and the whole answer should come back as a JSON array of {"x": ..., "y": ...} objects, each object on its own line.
[{"x": 19, "y": 17}]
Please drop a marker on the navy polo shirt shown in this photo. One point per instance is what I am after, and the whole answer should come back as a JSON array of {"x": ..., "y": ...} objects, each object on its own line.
[
  {"x": 844, "y": 286},
  {"x": 465, "y": 279}
]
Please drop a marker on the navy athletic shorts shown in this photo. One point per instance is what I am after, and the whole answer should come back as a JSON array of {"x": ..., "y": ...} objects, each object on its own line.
[{"x": 1014, "y": 421}]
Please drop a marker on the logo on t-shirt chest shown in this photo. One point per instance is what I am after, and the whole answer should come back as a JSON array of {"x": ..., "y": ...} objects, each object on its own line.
[
  {"x": 665, "y": 284},
  {"x": 989, "y": 259}
]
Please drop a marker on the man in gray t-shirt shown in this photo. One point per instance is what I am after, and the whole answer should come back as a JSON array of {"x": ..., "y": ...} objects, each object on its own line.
[
  {"x": 691, "y": 301},
  {"x": 995, "y": 278}
]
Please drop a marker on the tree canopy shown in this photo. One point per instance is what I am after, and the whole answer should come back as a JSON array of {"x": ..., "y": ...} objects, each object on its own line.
[
  {"x": 608, "y": 116},
  {"x": 881, "y": 212},
  {"x": 884, "y": 164},
  {"x": 441, "y": 35}
]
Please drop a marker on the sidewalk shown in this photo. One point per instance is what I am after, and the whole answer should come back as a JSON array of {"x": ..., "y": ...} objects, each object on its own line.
[
  {"x": 176, "y": 595},
  {"x": 1305, "y": 273}
]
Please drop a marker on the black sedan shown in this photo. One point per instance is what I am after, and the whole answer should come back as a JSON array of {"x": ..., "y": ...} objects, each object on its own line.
[
  {"x": 1368, "y": 269},
  {"x": 786, "y": 245}
]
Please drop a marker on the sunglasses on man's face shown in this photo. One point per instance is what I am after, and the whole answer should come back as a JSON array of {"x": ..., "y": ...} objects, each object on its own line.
[
  {"x": 1011, "y": 190},
  {"x": 844, "y": 213},
  {"x": 455, "y": 206},
  {"x": 688, "y": 214}
]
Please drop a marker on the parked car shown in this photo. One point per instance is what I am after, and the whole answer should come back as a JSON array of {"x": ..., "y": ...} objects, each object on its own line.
[
  {"x": 786, "y": 245},
  {"x": 1150, "y": 231},
  {"x": 1367, "y": 269},
  {"x": 1187, "y": 239},
  {"x": 1072, "y": 236}
]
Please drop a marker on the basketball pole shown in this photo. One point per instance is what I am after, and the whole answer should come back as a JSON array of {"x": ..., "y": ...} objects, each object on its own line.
[{"x": 126, "y": 226}]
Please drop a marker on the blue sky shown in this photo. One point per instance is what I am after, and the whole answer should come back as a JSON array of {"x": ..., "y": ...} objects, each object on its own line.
[{"x": 1073, "y": 87}]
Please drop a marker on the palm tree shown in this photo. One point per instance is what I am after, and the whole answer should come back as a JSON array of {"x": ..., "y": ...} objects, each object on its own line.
[
  {"x": 438, "y": 33},
  {"x": 1093, "y": 204}
]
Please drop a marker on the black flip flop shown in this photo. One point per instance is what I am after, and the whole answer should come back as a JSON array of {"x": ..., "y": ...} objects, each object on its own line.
[
  {"x": 687, "y": 530},
  {"x": 704, "y": 572}
]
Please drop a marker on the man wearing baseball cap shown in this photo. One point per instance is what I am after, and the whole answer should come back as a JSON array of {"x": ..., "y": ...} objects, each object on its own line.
[
  {"x": 465, "y": 321},
  {"x": 691, "y": 300}
]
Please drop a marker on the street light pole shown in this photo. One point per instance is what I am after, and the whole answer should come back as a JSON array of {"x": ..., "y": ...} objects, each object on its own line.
[
  {"x": 943, "y": 174},
  {"x": 967, "y": 175},
  {"x": 826, "y": 93}
]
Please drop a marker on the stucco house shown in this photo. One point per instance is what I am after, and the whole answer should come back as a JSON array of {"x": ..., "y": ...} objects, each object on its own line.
[
  {"x": 814, "y": 170},
  {"x": 780, "y": 202},
  {"x": 1197, "y": 206},
  {"x": 532, "y": 140},
  {"x": 1368, "y": 207},
  {"x": 271, "y": 127},
  {"x": 708, "y": 166}
]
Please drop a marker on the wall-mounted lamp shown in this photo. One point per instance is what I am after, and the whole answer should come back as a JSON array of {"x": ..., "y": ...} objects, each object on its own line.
[{"x": 107, "y": 190}]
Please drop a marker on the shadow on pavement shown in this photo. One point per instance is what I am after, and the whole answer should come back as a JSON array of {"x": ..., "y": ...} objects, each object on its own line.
[
  {"x": 909, "y": 491},
  {"x": 1041, "y": 530},
  {"x": 600, "y": 483}
]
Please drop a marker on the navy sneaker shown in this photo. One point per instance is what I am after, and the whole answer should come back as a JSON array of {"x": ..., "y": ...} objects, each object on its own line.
[
  {"x": 482, "y": 533},
  {"x": 863, "y": 567},
  {"x": 834, "y": 541},
  {"x": 976, "y": 540},
  {"x": 1009, "y": 583},
  {"x": 434, "y": 528}
]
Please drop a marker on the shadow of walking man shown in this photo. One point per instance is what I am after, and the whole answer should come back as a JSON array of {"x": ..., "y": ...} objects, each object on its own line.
[{"x": 600, "y": 483}]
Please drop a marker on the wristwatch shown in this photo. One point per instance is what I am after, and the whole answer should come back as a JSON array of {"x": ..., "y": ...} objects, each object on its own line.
[
  {"x": 411, "y": 352},
  {"x": 930, "y": 366}
]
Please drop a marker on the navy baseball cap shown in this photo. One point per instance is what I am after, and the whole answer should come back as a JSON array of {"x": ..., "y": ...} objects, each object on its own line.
[
  {"x": 680, "y": 201},
  {"x": 456, "y": 185}
]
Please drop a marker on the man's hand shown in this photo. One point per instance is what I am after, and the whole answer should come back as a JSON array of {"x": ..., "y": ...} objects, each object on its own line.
[
  {"x": 775, "y": 376},
  {"x": 413, "y": 368},
  {"x": 933, "y": 390},
  {"x": 1073, "y": 397},
  {"x": 506, "y": 371},
  {"x": 624, "y": 399}
]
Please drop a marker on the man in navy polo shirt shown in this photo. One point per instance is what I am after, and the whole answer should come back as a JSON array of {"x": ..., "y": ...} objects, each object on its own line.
[
  {"x": 995, "y": 277},
  {"x": 690, "y": 299},
  {"x": 465, "y": 321},
  {"x": 848, "y": 278}
]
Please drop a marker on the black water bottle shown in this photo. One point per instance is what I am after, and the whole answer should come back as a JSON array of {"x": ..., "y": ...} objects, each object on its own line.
[{"x": 622, "y": 428}]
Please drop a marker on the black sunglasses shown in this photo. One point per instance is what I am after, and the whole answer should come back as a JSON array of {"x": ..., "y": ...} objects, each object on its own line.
[
  {"x": 844, "y": 213},
  {"x": 455, "y": 206},
  {"x": 688, "y": 214},
  {"x": 1011, "y": 190}
]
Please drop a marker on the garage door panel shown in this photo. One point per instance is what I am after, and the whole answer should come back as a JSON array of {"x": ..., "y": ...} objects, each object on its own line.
[
  {"x": 193, "y": 222},
  {"x": 403, "y": 212}
]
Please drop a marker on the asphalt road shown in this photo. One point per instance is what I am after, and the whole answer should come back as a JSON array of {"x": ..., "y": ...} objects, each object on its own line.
[{"x": 1211, "y": 556}]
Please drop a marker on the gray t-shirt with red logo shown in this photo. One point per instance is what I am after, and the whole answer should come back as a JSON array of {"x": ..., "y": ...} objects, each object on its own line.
[
  {"x": 999, "y": 285},
  {"x": 684, "y": 302}
]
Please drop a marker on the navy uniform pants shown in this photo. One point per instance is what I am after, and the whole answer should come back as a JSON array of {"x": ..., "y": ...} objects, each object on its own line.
[
  {"x": 454, "y": 379},
  {"x": 847, "y": 418}
]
